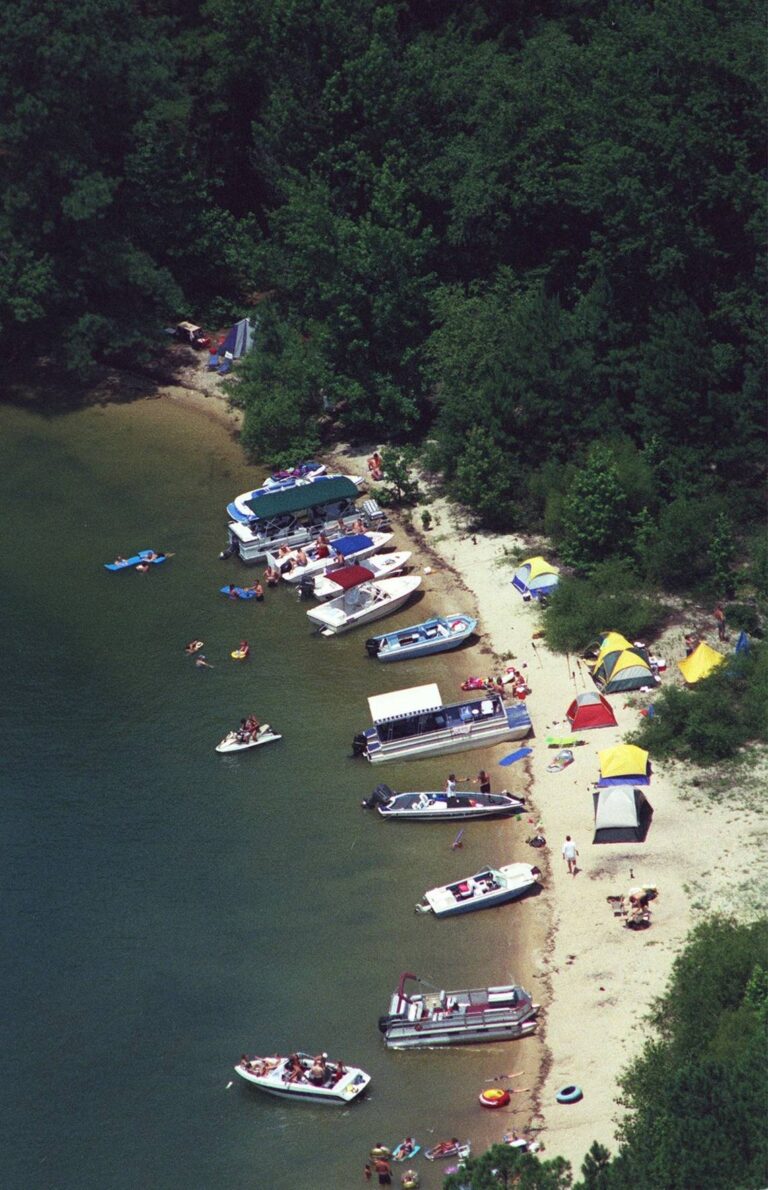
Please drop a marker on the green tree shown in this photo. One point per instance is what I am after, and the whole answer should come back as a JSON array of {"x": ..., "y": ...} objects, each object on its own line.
[
  {"x": 482, "y": 481},
  {"x": 595, "y": 515},
  {"x": 502, "y": 1168}
]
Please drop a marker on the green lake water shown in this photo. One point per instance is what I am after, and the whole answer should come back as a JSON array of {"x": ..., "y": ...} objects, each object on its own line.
[{"x": 166, "y": 908}]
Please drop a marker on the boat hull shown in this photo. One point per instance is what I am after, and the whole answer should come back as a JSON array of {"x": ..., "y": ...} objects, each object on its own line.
[
  {"x": 330, "y": 626},
  {"x": 228, "y": 746},
  {"x": 441, "y": 810},
  {"x": 433, "y": 636},
  {"x": 515, "y": 725},
  {"x": 434, "y": 1037}
]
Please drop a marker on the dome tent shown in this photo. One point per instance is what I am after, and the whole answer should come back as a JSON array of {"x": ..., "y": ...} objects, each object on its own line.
[
  {"x": 620, "y": 665},
  {"x": 700, "y": 664},
  {"x": 622, "y": 815},
  {"x": 590, "y": 709},
  {"x": 535, "y": 578},
  {"x": 626, "y": 764}
]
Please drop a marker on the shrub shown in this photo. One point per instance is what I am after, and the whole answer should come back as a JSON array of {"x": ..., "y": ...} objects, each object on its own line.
[
  {"x": 581, "y": 608},
  {"x": 716, "y": 717}
]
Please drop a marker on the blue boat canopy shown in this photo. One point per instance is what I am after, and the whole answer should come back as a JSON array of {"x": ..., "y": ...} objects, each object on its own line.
[{"x": 352, "y": 544}]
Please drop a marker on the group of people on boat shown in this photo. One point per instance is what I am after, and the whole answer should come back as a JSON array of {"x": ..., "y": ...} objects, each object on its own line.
[{"x": 248, "y": 729}]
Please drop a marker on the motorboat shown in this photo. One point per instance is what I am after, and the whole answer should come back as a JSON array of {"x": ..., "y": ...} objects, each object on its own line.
[
  {"x": 241, "y": 741},
  {"x": 293, "y": 515},
  {"x": 370, "y": 601},
  {"x": 338, "y": 579},
  {"x": 351, "y": 548},
  {"x": 303, "y": 475},
  {"x": 490, "y": 886},
  {"x": 465, "y": 1017},
  {"x": 415, "y": 722},
  {"x": 437, "y": 635},
  {"x": 441, "y": 806},
  {"x": 302, "y": 1077}
]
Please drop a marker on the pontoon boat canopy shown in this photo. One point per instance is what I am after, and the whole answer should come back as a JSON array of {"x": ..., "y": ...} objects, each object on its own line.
[
  {"x": 413, "y": 701},
  {"x": 306, "y": 495}
]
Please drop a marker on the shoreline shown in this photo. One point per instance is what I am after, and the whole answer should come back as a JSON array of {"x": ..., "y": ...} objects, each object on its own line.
[{"x": 595, "y": 979}]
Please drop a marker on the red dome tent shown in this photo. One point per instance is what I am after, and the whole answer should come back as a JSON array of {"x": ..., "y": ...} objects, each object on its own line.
[{"x": 590, "y": 709}]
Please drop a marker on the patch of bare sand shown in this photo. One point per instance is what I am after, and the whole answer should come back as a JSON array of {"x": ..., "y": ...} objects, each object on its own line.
[{"x": 596, "y": 978}]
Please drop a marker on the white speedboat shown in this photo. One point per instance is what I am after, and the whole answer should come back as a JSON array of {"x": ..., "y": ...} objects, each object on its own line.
[
  {"x": 420, "y": 1019},
  {"x": 238, "y": 741},
  {"x": 361, "y": 605},
  {"x": 352, "y": 548},
  {"x": 300, "y": 1076},
  {"x": 338, "y": 579},
  {"x": 491, "y": 886},
  {"x": 440, "y": 806}
]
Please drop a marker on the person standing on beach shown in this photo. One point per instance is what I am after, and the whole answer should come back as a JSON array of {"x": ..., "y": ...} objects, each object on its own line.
[
  {"x": 570, "y": 855},
  {"x": 719, "y": 615}
]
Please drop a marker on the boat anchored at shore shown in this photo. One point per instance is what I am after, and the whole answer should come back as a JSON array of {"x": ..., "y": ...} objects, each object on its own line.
[
  {"x": 415, "y": 722},
  {"x": 463, "y": 1017},
  {"x": 489, "y": 887},
  {"x": 303, "y": 1077},
  {"x": 370, "y": 601},
  {"x": 351, "y": 548},
  {"x": 441, "y": 806},
  {"x": 437, "y": 635},
  {"x": 341, "y": 578}
]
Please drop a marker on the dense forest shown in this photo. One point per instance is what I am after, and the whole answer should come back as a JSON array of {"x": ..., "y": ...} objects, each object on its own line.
[
  {"x": 696, "y": 1094},
  {"x": 527, "y": 235}
]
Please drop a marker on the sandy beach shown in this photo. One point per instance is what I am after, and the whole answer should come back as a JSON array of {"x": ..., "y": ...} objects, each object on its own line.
[{"x": 595, "y": 978}]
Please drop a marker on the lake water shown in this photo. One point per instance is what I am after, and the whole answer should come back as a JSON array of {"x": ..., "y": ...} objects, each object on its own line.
[{"x": 166, "y": 908}]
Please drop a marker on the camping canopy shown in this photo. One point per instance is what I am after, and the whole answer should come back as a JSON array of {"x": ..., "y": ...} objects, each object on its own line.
[
  {"x": 239, "y": 339},
  {"x": 620, "y": 665},
  {"x": 624, "y": 764},
  {"x": 590, "y": 709},
  {"x": 622, "y": 814},
  {"x": 701, "y": 662},
  {"x": 535, "y": 577}
]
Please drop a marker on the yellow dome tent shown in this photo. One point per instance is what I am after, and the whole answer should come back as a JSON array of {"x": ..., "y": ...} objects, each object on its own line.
[{"x": 700, "y": 664}]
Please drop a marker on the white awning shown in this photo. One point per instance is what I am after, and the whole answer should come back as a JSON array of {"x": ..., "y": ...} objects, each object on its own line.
[{"x": 412, "y": 701}]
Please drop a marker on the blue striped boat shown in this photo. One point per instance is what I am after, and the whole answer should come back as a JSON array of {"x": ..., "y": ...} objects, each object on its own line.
[{"x": 422, "y": 640}]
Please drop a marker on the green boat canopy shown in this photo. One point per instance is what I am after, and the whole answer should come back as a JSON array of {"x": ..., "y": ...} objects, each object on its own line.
[{"x": 310, "y": 495}]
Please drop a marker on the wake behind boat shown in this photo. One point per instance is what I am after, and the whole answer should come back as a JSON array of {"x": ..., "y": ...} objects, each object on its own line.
[
  {"x": 241, "y": 740},
  {"x": 338, "y": 579},
  {"x": 361, "y": 605},
  {"x": 441, "y": 806},
  {"x": 420, "y": 1019},
  {"x": 301, "y": 1076},
  {"x": 437, "y": 635},
  {"x": 491, "y": 886}
]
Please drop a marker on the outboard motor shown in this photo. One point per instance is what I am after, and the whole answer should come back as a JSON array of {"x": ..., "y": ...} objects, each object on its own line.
[
  {"x": 359, "y": 744},
  {"x": 306, "y": 586},
  {"x": 372, "y": 646},
  {"x": 379, "y": 797},
  {"x": 231, "y": 549}
]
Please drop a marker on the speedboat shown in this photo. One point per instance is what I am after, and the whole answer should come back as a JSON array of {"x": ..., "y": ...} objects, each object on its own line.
[
  {"x": 370, "y": 601},
  {"x": 422, "y": 640},
  {"x": 441, "y": 807},
  {"x": 289, "y": 1078},
  {"x": 338, "y": 579},
  {"x": 238, "y": 741},
  {"x": 415, "y": 722},
  {"x": 491, "y": 886},
  {"x": 352, "y": 548},
  {"x": 420, "y": 1019}
]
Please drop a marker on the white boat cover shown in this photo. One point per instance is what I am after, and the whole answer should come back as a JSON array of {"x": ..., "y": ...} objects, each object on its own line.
[{"x": 412, "y": 701}]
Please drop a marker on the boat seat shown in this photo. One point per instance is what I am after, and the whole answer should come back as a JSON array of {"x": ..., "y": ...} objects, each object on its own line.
[
  {"x": 486, "y": 706},
  {"x": 414, "y": 1012}
]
